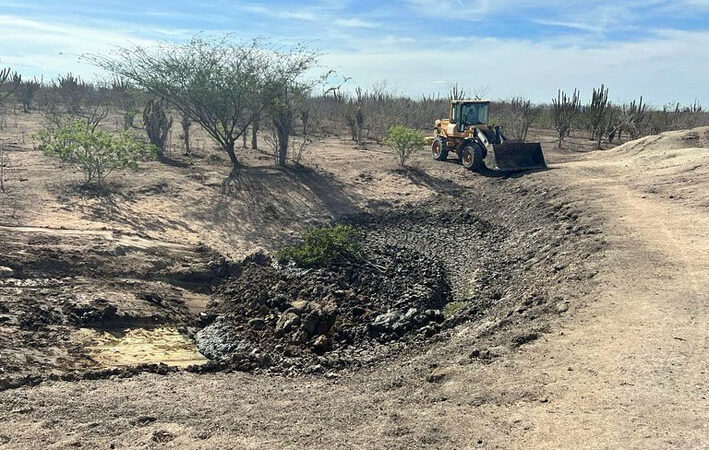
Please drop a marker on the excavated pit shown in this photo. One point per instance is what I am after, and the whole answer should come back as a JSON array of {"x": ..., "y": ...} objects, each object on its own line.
[
  {"x": 427, "y": 269},
  {"x": 120, "y": 308}
]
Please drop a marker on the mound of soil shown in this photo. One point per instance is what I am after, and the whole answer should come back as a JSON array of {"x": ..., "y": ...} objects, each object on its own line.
[{"x": 287, "y": 318}]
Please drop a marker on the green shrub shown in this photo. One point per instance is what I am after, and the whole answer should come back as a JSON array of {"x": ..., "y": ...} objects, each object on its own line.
[
  {"x": 322, "y": 246},
  {"x": 96, "y": 153},
  {"x": 403, "y": 141}
]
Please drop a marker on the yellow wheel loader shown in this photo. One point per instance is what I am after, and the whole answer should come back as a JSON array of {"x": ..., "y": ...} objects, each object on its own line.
[{"x": 479, "y": 145}]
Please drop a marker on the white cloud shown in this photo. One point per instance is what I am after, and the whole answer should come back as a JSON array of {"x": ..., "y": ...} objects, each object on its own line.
[
  {"x": 356, "y": 23},
  {"x": 49, "y": 48},
  {"x": 670, "y": 66},
  {"x": 458, "y": 9},
  {"x": 583, "y": 26}
]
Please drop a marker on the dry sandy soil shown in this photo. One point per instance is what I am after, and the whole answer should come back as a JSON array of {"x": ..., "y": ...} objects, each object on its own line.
[{"x": 594, "y": 275}]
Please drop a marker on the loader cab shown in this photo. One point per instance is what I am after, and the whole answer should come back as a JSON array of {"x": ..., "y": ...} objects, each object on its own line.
[{"x": 466, "y": 113}]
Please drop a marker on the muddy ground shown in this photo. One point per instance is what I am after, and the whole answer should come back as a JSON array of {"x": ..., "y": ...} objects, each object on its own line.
[{"x": 503, "y": 273}]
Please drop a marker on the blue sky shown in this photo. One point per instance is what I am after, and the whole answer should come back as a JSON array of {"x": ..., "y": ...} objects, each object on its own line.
[{"x": 655, "y": 48}]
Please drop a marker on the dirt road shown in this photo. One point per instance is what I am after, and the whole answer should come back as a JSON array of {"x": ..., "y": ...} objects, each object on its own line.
[
  {"x": 624, "y": 367},
  {"x": 630, "y": 370}
]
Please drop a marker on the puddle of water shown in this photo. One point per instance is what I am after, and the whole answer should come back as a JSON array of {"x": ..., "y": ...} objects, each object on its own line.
[{"x": 142, "y": 346}]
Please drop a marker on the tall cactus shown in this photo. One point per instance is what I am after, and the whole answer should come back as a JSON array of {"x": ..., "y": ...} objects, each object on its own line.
[
  {"x": 598, "y": 111},
  {"x": 8, "y": 84},
  {"x": 634, "y": 116},
  {"x": 157, "y": 124},
  {"x": 26, "y": 90},
  {"x": 565, "y": 110}
]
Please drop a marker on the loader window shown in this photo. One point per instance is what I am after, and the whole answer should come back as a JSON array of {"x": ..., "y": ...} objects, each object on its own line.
[{"x": 473, "y": 114}]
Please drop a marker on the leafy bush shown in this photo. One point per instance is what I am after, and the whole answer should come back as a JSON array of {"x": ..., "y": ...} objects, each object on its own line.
[
  {"x": 403, "y": 141},
  {"x": 96, "y": 153},
  {"x": 322, "y": 246}
]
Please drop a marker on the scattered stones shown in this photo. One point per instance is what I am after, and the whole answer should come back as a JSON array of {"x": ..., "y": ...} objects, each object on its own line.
[
  {"x": 484, "y": 355},
  {"x": 437, "y": 376},
  {"x": 257, "y": 324},
  {"x": 142, "y": 421},
  {"x": 321, "y": 344},
  {"x": 525, "y": 338},
  {"x": 162, "y": 436}
]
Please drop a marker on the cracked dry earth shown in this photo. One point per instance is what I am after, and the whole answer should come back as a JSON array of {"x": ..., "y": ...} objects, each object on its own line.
[{"x": 576, "y": 318}]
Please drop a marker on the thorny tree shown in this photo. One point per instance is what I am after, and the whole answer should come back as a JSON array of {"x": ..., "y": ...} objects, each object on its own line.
[
  {"x": 221, "y": 84},
  {"x": 286, "y": 92}
]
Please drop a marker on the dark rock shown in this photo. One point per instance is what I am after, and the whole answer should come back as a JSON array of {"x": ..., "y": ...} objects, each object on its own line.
[
  {"x": 162, "y": 436},
  {"x": 321, "y": 344},
  {"x": 257, "y": 323},
  {"x": 287, "y": 322},
  {"x": 525, "y": 338}
]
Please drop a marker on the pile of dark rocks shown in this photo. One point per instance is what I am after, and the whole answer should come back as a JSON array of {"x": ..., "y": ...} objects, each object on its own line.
[{"x": 291, "y": 319}]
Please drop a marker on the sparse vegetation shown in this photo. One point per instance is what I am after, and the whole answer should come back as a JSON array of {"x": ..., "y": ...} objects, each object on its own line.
[
  {"x": 403, "y": 141},
  {"x": 322, "y": 246},
  {"x": 96, "y": 153}
]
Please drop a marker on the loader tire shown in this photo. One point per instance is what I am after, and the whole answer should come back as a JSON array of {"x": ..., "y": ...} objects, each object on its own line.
[
  {"x": 439, "y": 150},
  {"x": 473, "y": 157}
]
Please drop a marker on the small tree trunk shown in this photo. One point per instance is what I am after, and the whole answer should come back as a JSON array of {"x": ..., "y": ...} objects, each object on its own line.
[
  {"x": 186, "y": 137},
  {"x": 2, "y": 167},
  {"x": 232, "y": 156},
  {"x": 245, "y": 137},
  {"x": 283, "y": 123},
  {"x": 304, "y": 116},
  {"x": 254, "y": 133},
  {"x": 282, "y": 150},
  {"x": 283, "y": 134},
  {"x": 186, "y": 122},
  {"x": 127, "y": 121}
]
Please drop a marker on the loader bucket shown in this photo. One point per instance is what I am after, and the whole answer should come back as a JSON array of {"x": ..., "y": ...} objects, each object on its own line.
[{"x": 519, "y": 156}]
